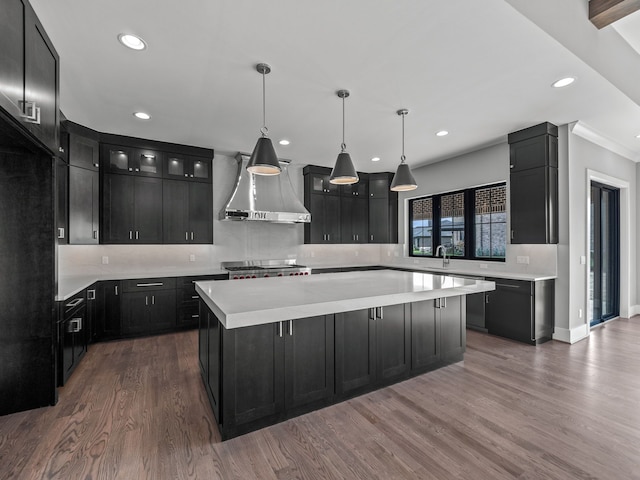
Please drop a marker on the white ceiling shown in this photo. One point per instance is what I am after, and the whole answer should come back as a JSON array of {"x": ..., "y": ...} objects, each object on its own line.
[{"x": 477, "y": 69}]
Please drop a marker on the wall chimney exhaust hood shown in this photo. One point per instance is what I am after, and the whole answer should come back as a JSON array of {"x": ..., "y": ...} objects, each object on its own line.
[{"x": 263, "y": 198}]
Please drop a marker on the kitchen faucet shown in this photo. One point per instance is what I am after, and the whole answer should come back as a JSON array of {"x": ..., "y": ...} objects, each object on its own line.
[{"x": 445, "y": 259}]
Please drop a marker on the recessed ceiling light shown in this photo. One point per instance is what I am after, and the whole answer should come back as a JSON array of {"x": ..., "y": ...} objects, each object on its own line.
[
  {"x": 375, "y": 159},
  {"x": 442, "y": 133},
  {"x": 284, "y": 142},
  {"x": 563, "y": 82},
  {"x": 142, "y": 115},
  {"x": 132, "y": 41}
]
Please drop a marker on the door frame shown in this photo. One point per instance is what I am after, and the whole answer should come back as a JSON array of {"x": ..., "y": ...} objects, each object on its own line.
[{"x": 625, "y": 243}]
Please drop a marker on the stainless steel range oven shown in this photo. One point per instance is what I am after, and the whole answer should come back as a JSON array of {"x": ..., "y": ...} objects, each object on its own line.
[{"x": 264, "y": 268}]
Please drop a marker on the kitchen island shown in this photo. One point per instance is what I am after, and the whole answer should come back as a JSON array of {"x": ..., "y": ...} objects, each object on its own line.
[{"x": 275, "y": 348}]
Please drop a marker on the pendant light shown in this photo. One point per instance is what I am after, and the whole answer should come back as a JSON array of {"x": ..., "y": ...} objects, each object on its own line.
[
  {"x": 343, "y": 172},
  {"x": 264, "y": 160},
  {"x": 403, "y": 180}
]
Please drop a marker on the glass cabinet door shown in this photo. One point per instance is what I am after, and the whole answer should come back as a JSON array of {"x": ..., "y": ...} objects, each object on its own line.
[
  {"x": 187, "y": 168},
  {"x": 147, "y": 162},
  {"x": 119, "y": 160},
  {"x": 201, "y": 169}
]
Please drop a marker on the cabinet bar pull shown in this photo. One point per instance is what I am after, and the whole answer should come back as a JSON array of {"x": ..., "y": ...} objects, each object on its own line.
[
  {"x": 280, "y": 329},
  {"x": 130, "y": 235},
  {"x": 61, "y": 232},
  {"x": 290, "y": 327},
  {"x": 372, "y": 237},
  {"x": 91, "y": 294},
  {"x": 444, "y": 302},
  {"x": 116, "y": 290},
  {"x": 508, "y": 286},
  {"x": 194, "y": 297},
  {"x": 158, "y": 284},
  {"x": 379, "y": 312},
  {"x": 74, "y": 303},
  {"x": 146, "y": 300},
  {"x": 486, "y": 298},
  {"x": 95, "y": 234},
  {"x": 436, "y": 303},
  {"x": 371, "y": 314},
  {"x": 186, "y": 235},
  {"x": 137, "y": 234},
  {"x": 192, "y": 232},
  {"x": 195, "y": 316},
  {"x": 153, "y": 299}
]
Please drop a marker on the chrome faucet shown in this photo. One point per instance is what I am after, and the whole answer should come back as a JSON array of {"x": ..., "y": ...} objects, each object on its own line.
[{"x": 445, "y": 259}]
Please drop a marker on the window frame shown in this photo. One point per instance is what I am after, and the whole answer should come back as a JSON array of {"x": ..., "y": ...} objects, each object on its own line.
[{"x": 469, "y": 223}]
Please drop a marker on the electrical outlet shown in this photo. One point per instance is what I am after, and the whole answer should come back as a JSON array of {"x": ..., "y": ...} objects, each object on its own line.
[
  {"x": 484, "y": 265},
  {"x": 583, "y": 260},
  {"x": 192, "y": 257},
  {"x": 105, "y": 260},
  {"x": 523, "y": 259}
]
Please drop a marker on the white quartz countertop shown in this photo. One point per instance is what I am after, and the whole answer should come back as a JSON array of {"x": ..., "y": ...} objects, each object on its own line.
[
  {"x": 267, "y": 300},
  {"x": 531, "y": 277},
  {"x": 69, "y": 285}
]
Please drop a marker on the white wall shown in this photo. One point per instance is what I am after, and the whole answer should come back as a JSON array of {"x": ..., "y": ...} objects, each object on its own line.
[{"x": 585, "y": 161}]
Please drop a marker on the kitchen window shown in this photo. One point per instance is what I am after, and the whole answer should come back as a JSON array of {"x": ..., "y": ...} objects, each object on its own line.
[{"x": 471, "y": 223}]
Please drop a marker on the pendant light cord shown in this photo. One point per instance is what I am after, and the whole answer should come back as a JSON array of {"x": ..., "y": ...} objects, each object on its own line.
[
  {"x": 264, "y": 130},
  {"x": 343, "y": 146},
  {"x": 402, "y": 158}
]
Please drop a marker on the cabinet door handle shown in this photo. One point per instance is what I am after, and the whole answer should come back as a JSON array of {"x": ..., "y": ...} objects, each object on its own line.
[
  {"x": 508, "y": 286},
  {"x": 486, "y": 298},
  {"x": 371, "y": 314},
  {"x": 186, "y": 236},
  {"x": 195, "y": 316},
  {"x": 153, "y": 299},
  {"x": 511, "y": 234},
  {"x": 290, "y": 327},
  {"x": 191, "y": 235},
  {"x": 137, "y": 169},
  {"x": 91, "y": 294},
  {"x": 280, "y": 329},
  {"x": 137, "y": 235},
  {"x": 379, "y": 312},
  {"x": 146, "y": 300},
  {"x": 130, "y": 169},
  {"x": 61, "y": 232},
  {"x": 436, "y": 303},
  {"x": 444, "y": 302},
  {"x": 116, "y": 290},
  {"x": 30, "y": 112},
  {"x": 95, "y": 234},
  {"x": 194, "y": 297},
  {"x": 130, "y": 235},
  {"x": 74, "y": 303},
  {"x": 328, "y": 237},
  {"x": 156, "y": 284},
  {"x": 75, "y": 325},
  {"x": 372, "y": 237}
]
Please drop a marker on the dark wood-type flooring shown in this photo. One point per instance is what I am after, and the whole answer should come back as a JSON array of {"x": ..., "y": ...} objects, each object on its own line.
[{"x": 136, "y": 409}]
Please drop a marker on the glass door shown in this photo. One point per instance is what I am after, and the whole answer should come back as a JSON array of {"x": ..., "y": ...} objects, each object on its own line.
[{"x": 604, "y": 275}]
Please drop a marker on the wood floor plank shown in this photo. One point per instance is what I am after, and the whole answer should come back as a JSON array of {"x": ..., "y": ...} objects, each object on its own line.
[{"x": 138, "y": 409}]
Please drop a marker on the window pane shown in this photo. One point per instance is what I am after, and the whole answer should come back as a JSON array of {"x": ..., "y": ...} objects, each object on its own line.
[
  {"x": 491, "y": 222},
  {"x": 452, "y": 223},
  {"x": 422, "y": 227}
]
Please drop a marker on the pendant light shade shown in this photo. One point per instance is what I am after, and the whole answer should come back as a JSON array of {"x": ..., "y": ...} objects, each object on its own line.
[
  {"x": 264, "y": 160},
  {"x": 403, "y": 180},
  {"x": 343, "y": 173}
]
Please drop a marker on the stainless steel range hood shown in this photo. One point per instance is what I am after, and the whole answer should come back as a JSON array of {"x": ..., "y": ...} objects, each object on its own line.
[{"x": 263, "y": 198}]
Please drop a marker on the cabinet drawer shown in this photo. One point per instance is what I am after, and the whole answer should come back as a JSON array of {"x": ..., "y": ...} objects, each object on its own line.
[
  {"x": 73, "y": 304},
  {"x": 188, "y": 315},
  {"x": 142, "y": 284},
  {"x": 190, "y": 281},
  {"x": 515, "y": 286}
]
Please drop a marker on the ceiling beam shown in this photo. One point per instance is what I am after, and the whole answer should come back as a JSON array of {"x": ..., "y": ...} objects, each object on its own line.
[{"x": 605, "y": 12}]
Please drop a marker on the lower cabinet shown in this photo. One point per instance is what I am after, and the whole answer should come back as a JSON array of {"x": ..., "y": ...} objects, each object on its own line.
[
  {"x": 148, "y": 306},
  {"x": 521, "y": 310},
  {"x": 107, "y": 318},
  {"x": 269, "y": 370},
  {"x": 260, "y": 375},
  {"x": 72, "y": 335}
]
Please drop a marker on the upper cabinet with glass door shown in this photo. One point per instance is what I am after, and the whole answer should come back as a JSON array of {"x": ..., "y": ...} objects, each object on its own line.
[
  {"x": 132, "y": 161},
  {"x": 187, "y": 167}
]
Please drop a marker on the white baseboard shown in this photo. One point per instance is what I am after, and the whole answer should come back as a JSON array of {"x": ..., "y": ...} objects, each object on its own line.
[
  {"x": 634, "y": 310},
  {"x": 572, "y": 335}
]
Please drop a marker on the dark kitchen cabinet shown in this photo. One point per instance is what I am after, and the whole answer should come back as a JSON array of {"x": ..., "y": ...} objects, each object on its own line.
[
  {"x": 533, "y": 154},
  {"x": 325, "y": 219},
  {"x": 148, "y": 306},
  {"x": 383, "y": 209},
  {"x": 354, "y": 219},
  {"x": 187, "y": 299},
  {"x": 29, "y": 73},
  {"x": 277, "y": 368},
  {"x": 107, "y": 319},
  {"x": 187, "y": 167},
  {"x": 61, "y": 201},
  {"x": 131, "y": 161},
  {"x": 91, "y": 294},
  {"x": 131, "y": 209},
  {"x": 317, "y": 181},
  {"x": 72, "y": 335},
  {"x": 373, "y": 346},
  {"x": 84, "y": 206},
  {"x": 521, "y": 310},
  {"x": 187, "y": 212},
  {"x": 393, "y": 334},
  {"x": 355, "y": 334}
]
